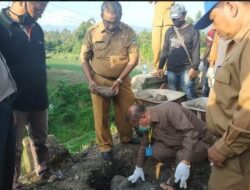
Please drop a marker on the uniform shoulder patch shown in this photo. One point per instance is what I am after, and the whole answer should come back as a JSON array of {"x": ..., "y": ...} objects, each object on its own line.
[{"x": 93, "y": 27}]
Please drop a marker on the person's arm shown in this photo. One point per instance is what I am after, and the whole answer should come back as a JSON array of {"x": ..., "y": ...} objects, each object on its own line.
[
  {"x": 133, "y": 53},
  {"x": 165, "y": 51},
  {"x": 163, "y": 55},
  {"x": 237, "y": 138},
  {"x": 142, "y": 150},
  {"x": 196, "y": 50},
  {"x": 180, "y": 121},
  {"x": 86, "y": 56}
]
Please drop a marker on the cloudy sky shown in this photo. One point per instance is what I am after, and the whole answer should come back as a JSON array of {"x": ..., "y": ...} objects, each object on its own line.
[{"x": 72, "y": 13}]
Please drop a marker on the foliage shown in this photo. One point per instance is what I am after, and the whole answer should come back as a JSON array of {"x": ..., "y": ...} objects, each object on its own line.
[
  {"x": 70, "y": 114},
  {"x": 144, "y": 40},
  {"x": 66, "y": 41}
]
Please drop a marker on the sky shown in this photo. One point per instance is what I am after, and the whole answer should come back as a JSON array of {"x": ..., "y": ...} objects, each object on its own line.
[{"x": 72, "y": 13}]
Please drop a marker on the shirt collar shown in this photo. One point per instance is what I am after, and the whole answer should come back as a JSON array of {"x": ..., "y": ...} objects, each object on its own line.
[
  {"x": 102, "y": 28},
  {"x": 242, "y": 32},
  {"x": 6, "y": 18}
]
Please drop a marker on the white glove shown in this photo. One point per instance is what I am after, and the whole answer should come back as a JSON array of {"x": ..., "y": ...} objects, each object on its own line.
[
  {"x": 210, "y": 75},
  {"x": 182, "y": 173},
  {"x": 138, "y": 173}
]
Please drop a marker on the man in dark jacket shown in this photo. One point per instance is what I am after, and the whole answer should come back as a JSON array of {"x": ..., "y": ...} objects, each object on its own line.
[
  {"x": 22, "y": 44},
  {"x": 175, "y": 133},
  {"x": 182, "y": 62}
]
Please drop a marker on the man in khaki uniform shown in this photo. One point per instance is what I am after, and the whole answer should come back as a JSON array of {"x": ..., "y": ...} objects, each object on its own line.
[
  {"x": 161, "y": 23},
  {"x": 108, "y": 54},
  {"x": 228, "y": 111},
  {"x": 174, "y": 134}
]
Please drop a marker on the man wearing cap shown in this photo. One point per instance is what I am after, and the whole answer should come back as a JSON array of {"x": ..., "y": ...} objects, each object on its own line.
[
  {"x": 181, "y": 50},
  {"x": 109, "y": 53},
  {"x": 228, "y": 107}
]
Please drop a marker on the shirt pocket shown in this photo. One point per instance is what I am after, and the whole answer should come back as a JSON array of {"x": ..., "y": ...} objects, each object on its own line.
[
  {"x": 98, "y": 48},
  {"x": 122, "y": 48},
  {"x": 223, "y": 76}
]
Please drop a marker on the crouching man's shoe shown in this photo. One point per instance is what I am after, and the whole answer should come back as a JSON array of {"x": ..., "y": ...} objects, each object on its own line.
[{"x": 107, "y": 155}]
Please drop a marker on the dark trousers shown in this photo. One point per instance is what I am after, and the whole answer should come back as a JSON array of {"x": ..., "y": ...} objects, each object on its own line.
[{"x": 7, "y": 146}]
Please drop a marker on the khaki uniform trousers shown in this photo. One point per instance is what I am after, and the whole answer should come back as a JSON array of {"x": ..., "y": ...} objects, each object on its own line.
[
  {"x": 163, "y": 153},
  {"x": 101, "y": 109},
  {"x": 235, "y": 175},
  {"x": 158, "y": 37},
  {"x": 37, "y": 125}
]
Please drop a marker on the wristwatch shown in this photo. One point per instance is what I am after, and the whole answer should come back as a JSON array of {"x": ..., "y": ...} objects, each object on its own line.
[{"x": 119, "y": 80}]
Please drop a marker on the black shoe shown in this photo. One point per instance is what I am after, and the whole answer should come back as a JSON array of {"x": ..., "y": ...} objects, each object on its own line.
[
  {"x": 107, "y": 155},
  {"x": 134, "y": 141}
]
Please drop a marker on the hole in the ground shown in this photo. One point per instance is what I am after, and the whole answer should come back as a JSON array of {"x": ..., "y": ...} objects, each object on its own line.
[{"x": 101, "y": 178}]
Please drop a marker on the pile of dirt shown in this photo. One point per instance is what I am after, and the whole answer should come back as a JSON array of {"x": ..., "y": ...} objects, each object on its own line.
[{"x": 88, "y": 171}]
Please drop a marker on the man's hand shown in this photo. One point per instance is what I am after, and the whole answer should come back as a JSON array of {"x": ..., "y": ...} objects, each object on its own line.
[
  {"x": 192, "y": 73},
  {"x": 215, "y": 157},
  {"x": 182, "y": 173},
  {"x": 115, "y": 86},
  {"x": 138, "y": 173},
  {"x": 160, "y": 73},
  {"x": 92, "y": 86}
]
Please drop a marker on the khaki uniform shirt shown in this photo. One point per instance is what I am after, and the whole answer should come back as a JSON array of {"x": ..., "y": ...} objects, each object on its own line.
[
  {"x": 161, "y": 13},
  {"x": 228, "y": 110},
  {"x": 174, "y": 126},
  {"x": 109, "y": 53}
]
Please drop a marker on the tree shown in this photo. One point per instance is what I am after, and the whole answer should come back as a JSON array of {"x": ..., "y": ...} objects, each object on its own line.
[
  {"x": 189, "y": 20},
  {"x": 198, "y": 16},
  {"x": 82, "y": 29}
]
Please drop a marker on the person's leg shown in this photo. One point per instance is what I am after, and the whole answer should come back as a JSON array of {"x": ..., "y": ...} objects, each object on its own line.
[
  {"x": 10, "y": 150},
  {"x": 163, "y": 32},
  {"x": 165, "y": 155},
  {"x": 187, "y": 85},
  {"x": 206, "y": 88},
  {"x": 245, "y": 167},
  {"x": 37, "y": 129},
  {"x": 172, "y": 80},
  {"x": 101, "y": 107},
  {"x": 21, "y": 122},
  {"x": 7, "y": 147},
  {"x": 231, "y": 176},
  {"x": 156, "y": 45},
  {"x": 122, "y": 101}
]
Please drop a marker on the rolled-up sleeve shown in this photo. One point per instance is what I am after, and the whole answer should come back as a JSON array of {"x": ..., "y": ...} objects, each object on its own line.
[{"x": 86, "y": 53}]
